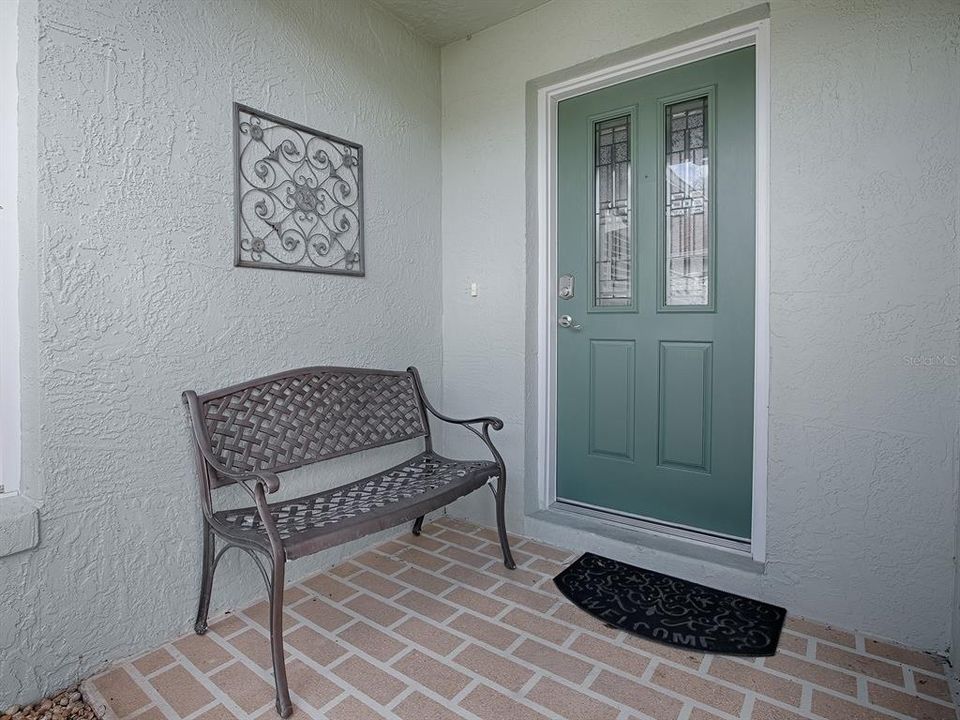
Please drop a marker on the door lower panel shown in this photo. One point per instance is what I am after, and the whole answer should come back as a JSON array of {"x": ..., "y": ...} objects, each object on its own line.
[
  {"x": 613, "y": 367},
  {"x": 686, "y": 389}
]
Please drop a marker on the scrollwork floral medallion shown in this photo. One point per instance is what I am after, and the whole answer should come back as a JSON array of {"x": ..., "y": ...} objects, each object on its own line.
[{"x": 299, "y": 196}]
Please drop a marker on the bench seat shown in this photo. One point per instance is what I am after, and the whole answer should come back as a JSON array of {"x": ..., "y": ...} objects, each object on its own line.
[{"x": 332, "y": 517}]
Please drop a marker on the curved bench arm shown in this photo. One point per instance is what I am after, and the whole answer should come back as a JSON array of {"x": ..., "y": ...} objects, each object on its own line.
[
  {"x": 494, "y": 422},
  {"x": 485, "y": 422},
  {"x": 269, "y": 480},
  {"x": 264, "y": 481}
]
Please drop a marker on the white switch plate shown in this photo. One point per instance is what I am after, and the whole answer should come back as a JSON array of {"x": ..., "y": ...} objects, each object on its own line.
[{"x": 473, "y": 290}]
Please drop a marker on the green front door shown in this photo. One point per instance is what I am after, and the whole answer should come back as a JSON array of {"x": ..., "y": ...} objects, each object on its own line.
[{"x": 655, "y": 257}]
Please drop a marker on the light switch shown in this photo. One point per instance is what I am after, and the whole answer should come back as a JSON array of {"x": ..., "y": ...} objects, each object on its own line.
[{"x": 473, "y": 290}]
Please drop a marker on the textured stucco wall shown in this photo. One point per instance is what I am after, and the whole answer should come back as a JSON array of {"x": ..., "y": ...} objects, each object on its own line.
[
  {"x": 130, "y": 295},
  {"x": 955, "y": 636},
  {"x": 863, "y": 421}
]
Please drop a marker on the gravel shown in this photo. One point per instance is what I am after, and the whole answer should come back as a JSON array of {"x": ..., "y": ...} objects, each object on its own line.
[{"x": 65, "y": 705}]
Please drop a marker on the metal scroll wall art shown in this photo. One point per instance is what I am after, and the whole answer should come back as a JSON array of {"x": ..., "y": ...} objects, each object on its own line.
[{"x": 299, "y": 196}]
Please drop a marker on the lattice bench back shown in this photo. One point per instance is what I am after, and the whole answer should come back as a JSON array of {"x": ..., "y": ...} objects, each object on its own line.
[{"x": 304, "y": 416}]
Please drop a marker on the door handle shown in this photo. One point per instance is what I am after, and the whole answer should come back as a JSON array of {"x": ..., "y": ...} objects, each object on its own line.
[{"x": 565, "y": 321}]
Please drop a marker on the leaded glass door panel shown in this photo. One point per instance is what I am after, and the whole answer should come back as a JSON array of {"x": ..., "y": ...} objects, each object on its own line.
[{"x": 656, "y": 207}]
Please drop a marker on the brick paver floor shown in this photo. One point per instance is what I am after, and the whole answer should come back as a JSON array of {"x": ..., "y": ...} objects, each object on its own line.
[{"x": 434, "y": 628}]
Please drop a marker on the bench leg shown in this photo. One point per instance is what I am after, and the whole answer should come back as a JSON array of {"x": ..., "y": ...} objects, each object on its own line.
[
  {"x": 284, "y": 706},
  {"x": 501, "y": 522},
  {"x": 206, "y": 579},
  {"x": 418, "y": 525}
]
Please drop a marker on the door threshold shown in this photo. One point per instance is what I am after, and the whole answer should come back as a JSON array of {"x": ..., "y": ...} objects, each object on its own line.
[
  {"x": 728, "y": 542},
  {"x": 563, "y": 526}
]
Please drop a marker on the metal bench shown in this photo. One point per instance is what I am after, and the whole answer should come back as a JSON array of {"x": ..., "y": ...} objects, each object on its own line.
[{"x": 248, "y": 433}]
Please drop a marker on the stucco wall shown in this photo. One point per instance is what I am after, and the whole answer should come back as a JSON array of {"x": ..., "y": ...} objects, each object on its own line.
[
  {"x": 955, "y": 636},
  {"x": 129, "y": 294},
  {"x": 863, "y": 417}
]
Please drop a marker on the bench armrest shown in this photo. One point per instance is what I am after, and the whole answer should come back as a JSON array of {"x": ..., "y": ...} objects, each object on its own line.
[
  {"x": 493, "y": 422},
  {"x": 264, "y": 481},
  {"x": 485, "y": 423},
  {"x": 270, "y": 481}
]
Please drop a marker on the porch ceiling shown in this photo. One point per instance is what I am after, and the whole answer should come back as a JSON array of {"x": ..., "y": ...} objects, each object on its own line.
[{"x": 443, "y": 21}]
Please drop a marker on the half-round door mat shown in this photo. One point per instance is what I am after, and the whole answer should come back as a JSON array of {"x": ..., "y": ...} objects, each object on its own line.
[{"x": 670, "y": 610}]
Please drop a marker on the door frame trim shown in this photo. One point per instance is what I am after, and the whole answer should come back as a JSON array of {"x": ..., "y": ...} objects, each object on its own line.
[{"x": 755, "y": 34}]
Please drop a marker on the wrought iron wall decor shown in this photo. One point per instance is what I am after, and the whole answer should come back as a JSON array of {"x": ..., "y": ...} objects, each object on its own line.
[{"x": 299, "y": 196}]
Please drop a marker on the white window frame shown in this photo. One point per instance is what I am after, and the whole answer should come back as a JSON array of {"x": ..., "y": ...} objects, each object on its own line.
[
  {"x": 9, "y": 255},
  {"x": 754, "y": 34}
]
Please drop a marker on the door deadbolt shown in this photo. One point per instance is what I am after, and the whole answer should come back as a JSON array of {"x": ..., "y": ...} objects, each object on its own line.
[{"x": 565, "y": 287}]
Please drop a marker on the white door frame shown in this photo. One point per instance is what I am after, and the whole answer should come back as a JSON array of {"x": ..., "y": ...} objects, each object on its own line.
[{"x": 755, "y": 34}]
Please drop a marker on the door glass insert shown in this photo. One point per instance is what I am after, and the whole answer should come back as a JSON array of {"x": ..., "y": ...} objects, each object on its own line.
[
  {"x": 687, "y": 244},
  {"x": 613, "y": 247}
]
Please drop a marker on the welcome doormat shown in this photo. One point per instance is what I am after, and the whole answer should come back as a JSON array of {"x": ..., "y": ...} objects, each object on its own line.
[{"x": 670, "y": 610}]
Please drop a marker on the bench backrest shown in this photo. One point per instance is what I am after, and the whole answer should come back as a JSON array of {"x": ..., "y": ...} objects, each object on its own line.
[{"x": 304, "y": 416}]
